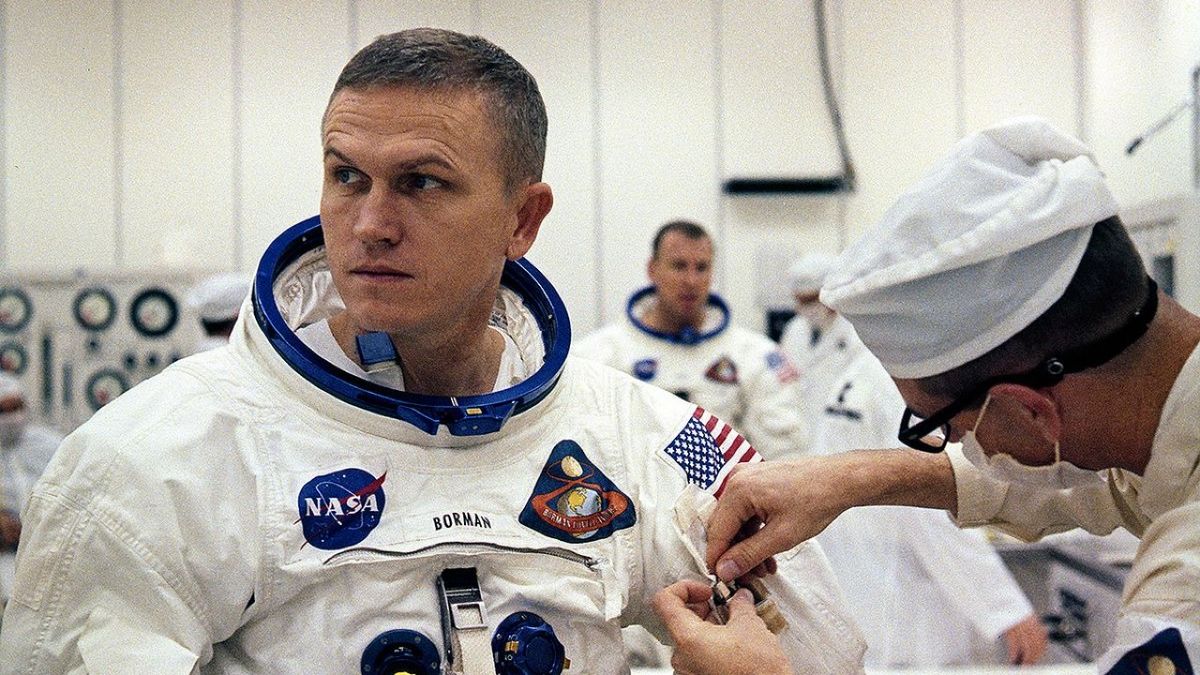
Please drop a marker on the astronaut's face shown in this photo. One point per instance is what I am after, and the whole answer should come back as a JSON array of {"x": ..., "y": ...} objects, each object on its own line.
[
  {"x": 682, "y": 275},
  {"x": 417, "y": 217}
]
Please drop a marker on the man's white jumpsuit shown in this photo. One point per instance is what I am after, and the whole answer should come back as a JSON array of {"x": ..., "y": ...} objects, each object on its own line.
[
  {"x": 1160, "y": 605},
  {"x": 229, "y": 516},
  {"x": 925, "y": 593},
  {"x": 737, "y": 374},
  {"x": 820, "y": 357}
]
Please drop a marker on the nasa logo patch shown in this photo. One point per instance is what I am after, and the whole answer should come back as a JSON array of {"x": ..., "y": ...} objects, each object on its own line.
[
  {"x": 573, "y": 501},
  {"x": 340, "y": 509},
  {"x": 645, "y": 369}
]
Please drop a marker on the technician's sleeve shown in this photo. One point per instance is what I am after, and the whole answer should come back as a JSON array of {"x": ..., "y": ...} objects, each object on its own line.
[
  {"x": 685, "y": 476},
  {"x": 772, "y": 419},
  {"x": 1030, "y": 513},
  {"x": 967, "y": 569},
  {"x": 119, "y": 572}
]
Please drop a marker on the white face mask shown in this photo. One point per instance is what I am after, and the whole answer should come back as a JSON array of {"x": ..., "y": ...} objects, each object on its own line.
[
  {"x": 1060, "y": 474},
  {"x": 12, "y": 424}
]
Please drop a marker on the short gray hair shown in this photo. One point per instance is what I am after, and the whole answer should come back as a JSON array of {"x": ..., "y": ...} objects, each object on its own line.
[{"x": 436, "y": 59}]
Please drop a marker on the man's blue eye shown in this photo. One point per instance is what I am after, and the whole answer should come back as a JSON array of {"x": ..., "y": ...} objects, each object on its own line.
[
  {"x": 346, "y": 176},
  {"x": 423, "y": 182}
]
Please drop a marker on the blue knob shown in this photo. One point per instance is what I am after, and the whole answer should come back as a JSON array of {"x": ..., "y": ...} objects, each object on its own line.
[{"x": 525, "y": 644}]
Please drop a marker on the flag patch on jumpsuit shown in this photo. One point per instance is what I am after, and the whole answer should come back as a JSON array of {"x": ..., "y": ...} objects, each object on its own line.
[{"x": 707, "y": 449}]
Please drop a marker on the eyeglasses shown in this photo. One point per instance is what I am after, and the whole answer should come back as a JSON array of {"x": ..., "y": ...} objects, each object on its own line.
[{"x": 930, "y": 434}]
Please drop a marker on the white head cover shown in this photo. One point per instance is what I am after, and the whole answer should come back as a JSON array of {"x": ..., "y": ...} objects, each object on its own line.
[
  {"x": 808, "y": 273},
  {"x": 219, "y": 297},
  {"x": 975, "y": 251}
]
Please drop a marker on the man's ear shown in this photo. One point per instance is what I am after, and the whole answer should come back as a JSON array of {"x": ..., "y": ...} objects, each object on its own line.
[
  {"x": 1036, "y": 406},
  {"x": 536, "y": 201}
]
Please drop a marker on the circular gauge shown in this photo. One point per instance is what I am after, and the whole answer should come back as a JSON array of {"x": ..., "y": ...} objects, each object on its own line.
[
  {"x": 103, "y": 386},
  {"x": 95, "y": 308},
  {"x": 15, "y": 309},
  {"x": 13, "y": 358},
  {"x": 154, "y": 312}
]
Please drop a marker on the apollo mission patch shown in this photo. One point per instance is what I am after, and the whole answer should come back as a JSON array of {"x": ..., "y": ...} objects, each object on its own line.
[{"x": 573, "y": 501}]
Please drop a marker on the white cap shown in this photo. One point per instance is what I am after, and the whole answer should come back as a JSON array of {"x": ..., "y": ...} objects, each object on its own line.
[
  {"x": 981, "y": 246},
  {"x": 219, "y": 297},
  {"x": 808, "y": 273},
  {"x": 11, "y": 386}
]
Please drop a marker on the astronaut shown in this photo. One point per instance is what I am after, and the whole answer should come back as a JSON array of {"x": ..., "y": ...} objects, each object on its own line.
[
  {"x": 818, "y": 340},
  {"x": 394, "y": 466},
  {"x": 25, "y": 450},
  {"x": 677, "y": 335}
]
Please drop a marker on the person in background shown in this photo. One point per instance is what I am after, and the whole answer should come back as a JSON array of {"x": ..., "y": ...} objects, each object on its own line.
[
  {"x": 1049, "y": 385},
  {"x": 819, "y": 342},
  {"x": 925, "y": 593},
  {"x": 216, "y": 300},
  {"x": 677, "y": 335},
  {"x": 25, "y": 450}
]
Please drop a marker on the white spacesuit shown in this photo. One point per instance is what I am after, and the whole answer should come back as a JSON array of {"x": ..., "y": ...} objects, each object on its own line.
[
  {"x": 735, "y": 373},
  {"x": 819, "y": 361},
  {"x": 924, "y": 592},
  {"x": 257, "y": 509}
]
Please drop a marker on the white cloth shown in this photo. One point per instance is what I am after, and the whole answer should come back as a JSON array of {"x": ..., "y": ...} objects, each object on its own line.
[
  {"x": 736, "y": 374},
  {"x": 980, "y": 247},
  {"x": 924, "y": 592},
  {"x": 819, "y": 363},
  {"x": 220, "y": 296},
  {"x": 174, "y": 520},
  {"x": 21, "y": 465},
  {"x": 809, "y": 272},
  {"x": 1162, "y": 507}
]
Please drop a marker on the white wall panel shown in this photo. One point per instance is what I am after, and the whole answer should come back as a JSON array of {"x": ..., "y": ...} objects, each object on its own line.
[
  {"x": 176, "y": 153},
  {"x": 1019, "y": 59},
  {"x": 565, "y": 249},
  {"x": 379, "y": 17},
  {"x": 291, "y": 60},
  {"x": 898, "y": 98},
  {"x": 58, "y": 117},
  {"x": 657, "y": 120}
]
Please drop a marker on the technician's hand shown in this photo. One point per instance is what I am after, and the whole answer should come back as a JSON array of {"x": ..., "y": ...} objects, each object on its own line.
[
  {"x": 10, "y": 530},
  {"x": 741, "y": 646},
  {"x": 793, "y": 499},
  {"x": 1026, "y": 641}
]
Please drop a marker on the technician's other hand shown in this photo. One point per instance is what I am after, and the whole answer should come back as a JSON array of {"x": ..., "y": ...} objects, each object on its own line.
[
  {"x": 10, "y": 530},
  {"x": 793, "y": 499},
  {"x": 1026, "y": 641},
  {"x": 743, "y": 646}
]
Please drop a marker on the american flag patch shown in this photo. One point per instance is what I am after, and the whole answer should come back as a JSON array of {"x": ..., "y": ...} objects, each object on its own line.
[
  {"x": 785, "y": 371},
  {"x": 707, "y": 449}
]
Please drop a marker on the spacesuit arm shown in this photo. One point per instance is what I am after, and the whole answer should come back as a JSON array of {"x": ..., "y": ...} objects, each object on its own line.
[
  {"x": 820, "y": 636},
  {"x": 772, "y": 418},
  {"x": 1030, "y": 513}
]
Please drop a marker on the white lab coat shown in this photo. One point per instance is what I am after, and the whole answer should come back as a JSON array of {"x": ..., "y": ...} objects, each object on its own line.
[
  {"x": 1162, "y": 507},
  {"x": 230, "y": 516},
  {"x": 735, "y": 373},
  {"x": 820, "y": 362},
  {"x": 21, "y": 465},
  {"x": 924, "y": 592}
]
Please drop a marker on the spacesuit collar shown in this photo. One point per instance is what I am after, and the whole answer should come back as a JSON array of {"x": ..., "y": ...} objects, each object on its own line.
[
  {"x": 293, "y": 288},
  {"x": 716, "y": 318}
]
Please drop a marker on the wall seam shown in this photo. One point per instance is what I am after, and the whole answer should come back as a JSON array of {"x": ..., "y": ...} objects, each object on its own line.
[
  {"x": 237, "y": 135},
  {"x": 838, "y": 64},
  {"x": 1082, "y": 121},
  {"x": 118, "y": 158},
  {"x": 719, "y": 134},
  {"x": 957, "y": 38},
  {"x": 352, "y": 28},
  {"x": 3, "y": 135},
  {"x": 477, "y": 17},
  {"x": 597, "y": 163}
]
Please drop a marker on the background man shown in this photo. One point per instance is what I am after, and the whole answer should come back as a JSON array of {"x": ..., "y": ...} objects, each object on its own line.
[
  {"x": 1007, "y": 302},
  {"x": 677, "y": 335},
  {"x": 217, "y": 300}
]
